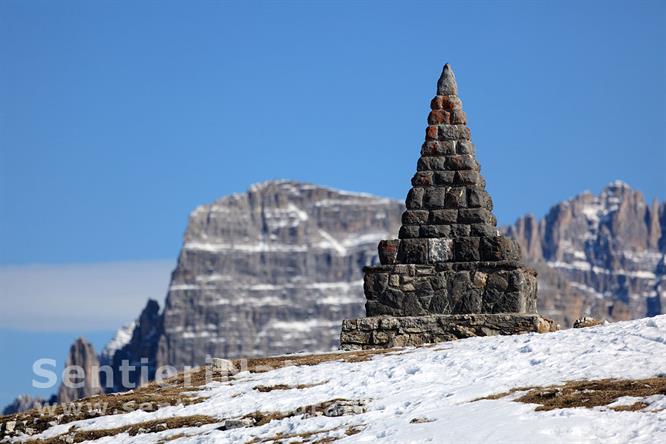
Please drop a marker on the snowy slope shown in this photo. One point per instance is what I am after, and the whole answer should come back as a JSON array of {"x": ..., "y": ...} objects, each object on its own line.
[{"x": 442, "y": 384}]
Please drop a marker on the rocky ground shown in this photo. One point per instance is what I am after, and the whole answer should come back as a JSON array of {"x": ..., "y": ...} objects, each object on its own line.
[{"x": 605, "y": 383}]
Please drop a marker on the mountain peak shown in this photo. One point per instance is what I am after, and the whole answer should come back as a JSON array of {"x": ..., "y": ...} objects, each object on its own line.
[{"x": 618, "y": 184}]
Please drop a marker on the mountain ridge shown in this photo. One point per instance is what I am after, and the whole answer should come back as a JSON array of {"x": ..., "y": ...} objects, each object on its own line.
[{"x": 609, "y": 246}]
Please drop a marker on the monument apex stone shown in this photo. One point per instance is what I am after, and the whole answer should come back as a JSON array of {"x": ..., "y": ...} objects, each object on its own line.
[{"x": 446, "y": 85}]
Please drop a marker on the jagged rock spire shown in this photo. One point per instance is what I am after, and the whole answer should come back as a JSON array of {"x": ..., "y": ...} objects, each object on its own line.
[
  {"x": 81, "y": 354},
  {"x": 447, "y": 86}
]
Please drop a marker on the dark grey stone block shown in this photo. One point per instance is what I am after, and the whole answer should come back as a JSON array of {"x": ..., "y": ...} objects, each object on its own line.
[
  {"x": 453, "y": 132},
  {"x": 466, "y": 249},
  {"x": 467, "y": 177},
  {"x": 413, "y": 251},
  {"x": 440, "y": 303},
  {"x": 455, "y": 198},
  {"x": 408, "y": 232},
  {"x": 435, "y": 231},
  {"x": 479, "y": 198},
  {"x": 376, "y": 308},
  {"x": 499, "y": 248},
  {"x": 473, "y": 216},
  {"x": 433, "y": 163},
  {"x": 444, "y": 177},
  {"x": 465, "y": 147},
  {"x": 460, "y": 230},
  {"x": 422, "y": 179},
  {"x": 443, "y": 217},
  {"x": 415, "y": 217},
  {"x": 434, "y": 198},
  {"x": 483, "y": 230},
  {"x": 374, "y": 284},
  {"x": 414, "y": 199},
  {"x": 438, "y": 148},
  {"x": 461, "y": 162}
]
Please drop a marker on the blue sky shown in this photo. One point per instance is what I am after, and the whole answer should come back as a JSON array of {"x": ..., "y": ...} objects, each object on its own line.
[
  {"x": 25, "y": 347},
  {"x": 117, "y": 118}
]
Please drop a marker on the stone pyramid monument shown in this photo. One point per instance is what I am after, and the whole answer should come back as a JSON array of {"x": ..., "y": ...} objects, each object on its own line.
[{"x": 451, "y": 274}]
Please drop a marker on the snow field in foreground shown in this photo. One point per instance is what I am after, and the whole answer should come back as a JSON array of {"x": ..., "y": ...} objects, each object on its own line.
[{"x": 440, "y": 384}]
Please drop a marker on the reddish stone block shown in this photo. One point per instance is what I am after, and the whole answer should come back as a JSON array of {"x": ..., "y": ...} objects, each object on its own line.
[
  {"x": 451, "y": 103},
  {"x": 388, "y": 251},
  {"x": 438, "y": 117}
]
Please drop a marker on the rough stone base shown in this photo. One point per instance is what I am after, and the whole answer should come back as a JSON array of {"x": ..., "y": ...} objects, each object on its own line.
[
  {"x": 449, "y": 288},
  {"x": 387, "y": 332}
]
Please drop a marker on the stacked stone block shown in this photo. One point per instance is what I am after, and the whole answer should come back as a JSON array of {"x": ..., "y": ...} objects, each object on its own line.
[{"x": 449, "y": 258}]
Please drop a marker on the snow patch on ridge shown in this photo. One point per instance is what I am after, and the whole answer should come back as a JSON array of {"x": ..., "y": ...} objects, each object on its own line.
[{"x": 122, "y": 337}]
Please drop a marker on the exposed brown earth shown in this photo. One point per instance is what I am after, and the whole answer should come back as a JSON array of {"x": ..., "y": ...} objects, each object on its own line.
[
  {"x": 588, "y": 394},
  {"x": 587, "y": 322},
  {"x": 259, "y": 365},
  {"x": 270, "y": 388},
  {"x": 306, "y": 437},
  {"x": 158, "y": 425}
]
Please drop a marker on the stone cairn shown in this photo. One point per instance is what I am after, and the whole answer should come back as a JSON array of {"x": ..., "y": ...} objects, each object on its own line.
[{"x": 451, "y": 274}]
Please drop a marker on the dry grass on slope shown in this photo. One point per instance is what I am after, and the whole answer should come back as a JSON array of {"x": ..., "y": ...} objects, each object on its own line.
[
  {"x": 589, "y": 394},
  {"x": 158, "y": 425}
]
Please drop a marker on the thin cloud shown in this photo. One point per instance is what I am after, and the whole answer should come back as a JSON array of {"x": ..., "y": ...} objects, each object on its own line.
[{"x": 100, "y": 296}]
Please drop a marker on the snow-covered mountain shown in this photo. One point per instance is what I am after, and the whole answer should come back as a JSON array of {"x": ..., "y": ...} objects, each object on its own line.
[
  {"x": 607, "y": 251},
  {"x": 604, "y": 384}
]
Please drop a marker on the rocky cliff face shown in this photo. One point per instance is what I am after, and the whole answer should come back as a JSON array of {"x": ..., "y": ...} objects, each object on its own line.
[
  {"x": 270, "y": 271},
  {"x": 81, "y": 355},
  {"x": 136, "y": 346},
  {"x": 605, "y": 252}
]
